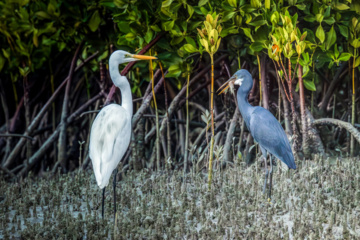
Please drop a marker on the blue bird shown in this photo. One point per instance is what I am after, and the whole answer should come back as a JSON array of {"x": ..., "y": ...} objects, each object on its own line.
[{"x": 263, "y": 126}]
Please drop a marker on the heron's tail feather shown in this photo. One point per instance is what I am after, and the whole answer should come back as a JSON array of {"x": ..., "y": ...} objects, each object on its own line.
[{"x": 289, "y": 160}]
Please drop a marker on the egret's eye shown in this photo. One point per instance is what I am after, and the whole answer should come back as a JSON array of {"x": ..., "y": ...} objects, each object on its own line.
[{"x": 127, "y": 55}]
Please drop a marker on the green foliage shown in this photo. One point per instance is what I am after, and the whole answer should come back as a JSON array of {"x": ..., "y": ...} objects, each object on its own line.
[{"x": 31, "y": 32}]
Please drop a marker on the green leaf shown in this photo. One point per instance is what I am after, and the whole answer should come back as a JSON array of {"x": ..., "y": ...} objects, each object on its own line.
[
  {"x": 305, "y": 56},
  {"x": 6, "y": 54},
  {"x": 257, "y": 46},
  {"x": 267, "y": 4},
  {"x": 94, "y": 21},
  {"x": 166, "y": 3},
  {"x": 301, "y": 6},
  {"x": 355, "y": 43},
  {"x": 130, "y": 36},
  {"x": 190, "y": 11},
  {"x": 247, "y": 32},
  {"x": 327, "y": 12},
  {"x": 310, "y": 35},
  {"x": 305, "y": 70},
  {"x": 227, "y": 16},
  {"x": 345, "y": 57},
  {"x": 190, "y": 48},
  {"x": 343, "y": 30},
  {"x": 43, "y": 15},
  {"x": 155, "y": 28},
  {"x": 257, "y": 23},
  {"x": 309, "y": 85},
  {"x": 309, "y": 18},
  {"x": 320, "y": 34},
  {"x": 202, "y": 2},
  {"x": 341, "y": 6},
  {"x": 319, "y": 17},
  {"x": 24, "y": 71},
  {"x": 329, "y": 20},
  {"x": 168, "y": 25},
  {"x": 176, "y": 40},
  {"x": 330, "y": 38},
  {"x": 232, "y": 3},
  {"x": 357, "y": 61},
  {"x": 204, "y": 10},
  {"x": 123, "y": 26},
  {"x": 190, "y": 41},
  {"x": 336, "y": 51},
  {"x": 174, "y": 71},
  {"x": 148, "y": 36}
]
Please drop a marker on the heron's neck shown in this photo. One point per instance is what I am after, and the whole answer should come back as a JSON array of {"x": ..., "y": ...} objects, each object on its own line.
[
  {"x": 123, "y": 84},
  {"x": 244, "y": 105}
]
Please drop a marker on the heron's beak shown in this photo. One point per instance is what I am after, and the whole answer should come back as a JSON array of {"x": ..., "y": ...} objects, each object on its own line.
[
  {"x": 143, "y": 57},
  {"x": 226, "y": 85}
]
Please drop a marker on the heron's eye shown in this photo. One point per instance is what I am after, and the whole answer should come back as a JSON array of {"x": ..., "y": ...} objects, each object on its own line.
[{"x": 127, "y": 55}]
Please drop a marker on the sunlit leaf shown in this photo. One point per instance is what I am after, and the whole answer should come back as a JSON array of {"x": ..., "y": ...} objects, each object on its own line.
[
  {"x": 168, "y": 25},
  {"x": 320, "y": 34},
  {"x": 345, "y": 57},
  {"x": 330, "y": 38},
  {"x": 166, "y": 3},
  {"x": 190, "y": 48},
  {"x": 357, "y": 61},
  {"x": 341, "y": 6},
  {"x": 202, "y": 2}
]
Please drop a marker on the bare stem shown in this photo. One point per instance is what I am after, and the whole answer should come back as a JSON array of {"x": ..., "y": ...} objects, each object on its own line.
[
  {"x": 187, "y": 122},
  {"x": 211, "y": 155}
]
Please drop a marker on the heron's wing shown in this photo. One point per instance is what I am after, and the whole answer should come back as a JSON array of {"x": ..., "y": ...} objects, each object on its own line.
[
  {"x": 268, "y": 132},
  {"x": 109, "y": 140}
]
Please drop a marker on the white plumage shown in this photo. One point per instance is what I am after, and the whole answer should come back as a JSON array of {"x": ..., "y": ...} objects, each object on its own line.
[
  {"x": 111, "y": 130},
  {"x": 109, "y": 140}
]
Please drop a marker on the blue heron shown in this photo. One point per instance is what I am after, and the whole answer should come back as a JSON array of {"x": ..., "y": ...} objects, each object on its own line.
[
  {"x": 263, "y": 126},
  {"x": 111, "y": 130}
]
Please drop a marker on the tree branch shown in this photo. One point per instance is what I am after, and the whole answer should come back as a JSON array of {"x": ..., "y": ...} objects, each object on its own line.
[{"x": 342, "y": 124}]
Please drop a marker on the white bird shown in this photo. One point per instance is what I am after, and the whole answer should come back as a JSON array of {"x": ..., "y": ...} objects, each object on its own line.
[{"x": 111, "y": 130}]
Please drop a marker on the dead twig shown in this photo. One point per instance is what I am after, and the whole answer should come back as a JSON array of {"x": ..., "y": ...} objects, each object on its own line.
[{"x": 37, "y": 119}]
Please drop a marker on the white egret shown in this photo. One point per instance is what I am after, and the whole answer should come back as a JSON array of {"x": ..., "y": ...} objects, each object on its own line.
[{"x": 111, "y": 130}]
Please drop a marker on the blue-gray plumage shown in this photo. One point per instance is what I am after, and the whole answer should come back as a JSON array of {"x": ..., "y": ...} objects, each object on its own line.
[{"x": 263, "y": 126}]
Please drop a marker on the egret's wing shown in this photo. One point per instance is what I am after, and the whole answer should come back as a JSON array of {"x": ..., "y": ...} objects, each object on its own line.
[
  {"x": 268, "y": 132},
  {"x": 109, "y": 140}
]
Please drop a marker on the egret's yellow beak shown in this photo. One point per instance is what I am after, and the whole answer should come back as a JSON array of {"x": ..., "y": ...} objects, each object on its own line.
[
  {"x": 226, "y": 85},
  {"x": 143, "y": 57}
]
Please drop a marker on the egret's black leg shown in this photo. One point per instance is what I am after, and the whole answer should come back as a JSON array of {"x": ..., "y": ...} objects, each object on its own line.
[
  {"x": 103, "y": 197},
  {"x": 114, "y": 185},
  {"x": 266, "y": 174},
  {"x": 271, "y": 172}
]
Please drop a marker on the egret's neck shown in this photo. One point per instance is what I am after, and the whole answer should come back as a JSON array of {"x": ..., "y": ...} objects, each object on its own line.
[
  {"x": 244, "y": 105},
  {"x": 123, "y": 84}
]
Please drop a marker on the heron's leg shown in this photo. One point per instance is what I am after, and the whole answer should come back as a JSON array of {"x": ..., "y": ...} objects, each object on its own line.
[
  {"x": 114, "y": 185},
  {"x": 266, "y": 174},
  {"x": 103, "y": 197},
  {"x": 271, "y": 172}
]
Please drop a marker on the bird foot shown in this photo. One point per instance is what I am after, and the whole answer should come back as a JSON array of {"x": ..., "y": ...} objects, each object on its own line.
[{"x": 269, "y": 201}]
